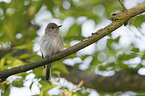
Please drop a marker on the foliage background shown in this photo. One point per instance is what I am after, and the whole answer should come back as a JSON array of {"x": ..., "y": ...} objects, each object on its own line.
[{"x": 22, "y": 24}]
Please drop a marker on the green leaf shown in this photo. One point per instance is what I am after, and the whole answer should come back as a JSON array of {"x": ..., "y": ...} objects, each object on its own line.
[
  {"x": 17, "y": 62},
  {"x": 7, "y": 91},
  {"x": 135, "y": 50},
  {"x": 23, "y": 56},
  {"x": 31, "y": 85},
  {"x": 58, "y": 67},
  {"x": 34, "y": 58},
  {"x": 2, "y": 62},
  {"x": 45, "y": 93},
  {"x": 126, "y": 56},
  {"x": 137, "y": 21},
  {"x": 101, "y": 68},
  {"x": 39, "y": 72},
  {"x": 50, "y": 5},
  {"x": 46, "y": 85},
  {"x": 20, "y": 47},
  {"x": 18, "y": 82}
]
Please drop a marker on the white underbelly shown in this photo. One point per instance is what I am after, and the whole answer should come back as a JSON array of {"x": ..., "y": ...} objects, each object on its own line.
[{"x": 49, "y": 47}]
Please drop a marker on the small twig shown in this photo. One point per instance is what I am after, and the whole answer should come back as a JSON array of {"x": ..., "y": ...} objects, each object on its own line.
[
  {"x": 63, "y": 88},
  {"x": 124, "y": 8},
  {"x": 80, "y": 84},
  {"x": 106, "y": 16}
]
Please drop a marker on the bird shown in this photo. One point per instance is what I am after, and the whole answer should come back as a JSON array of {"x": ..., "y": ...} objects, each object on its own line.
[{"x": 50, "y": 43}]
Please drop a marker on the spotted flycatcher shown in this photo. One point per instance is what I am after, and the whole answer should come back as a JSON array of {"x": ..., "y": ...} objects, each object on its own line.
[{"x": 51, "y": 43}]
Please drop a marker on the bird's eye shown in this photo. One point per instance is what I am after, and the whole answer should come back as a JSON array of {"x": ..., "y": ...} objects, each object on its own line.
[{"x": 52, "y": 27}]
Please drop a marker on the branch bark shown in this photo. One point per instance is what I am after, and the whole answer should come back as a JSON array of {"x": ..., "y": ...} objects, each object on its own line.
[
  {"x": 127, "y": 80},
  {"x": 117, "y": 20}
]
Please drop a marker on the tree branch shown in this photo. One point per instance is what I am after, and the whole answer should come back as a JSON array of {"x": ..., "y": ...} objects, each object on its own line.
[
  {"x": 117, "y": 21},
  {"x": 127, "y": 80}
]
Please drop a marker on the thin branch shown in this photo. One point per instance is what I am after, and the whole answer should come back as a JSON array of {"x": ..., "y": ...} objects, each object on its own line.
[
  {"x": 79, "y": 85},
  {"x": 117, "y": 21},
  {"x": 124, "y": 8}
]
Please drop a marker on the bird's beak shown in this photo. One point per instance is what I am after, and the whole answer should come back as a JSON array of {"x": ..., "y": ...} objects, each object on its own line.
[{"x": 59, "y": 26}]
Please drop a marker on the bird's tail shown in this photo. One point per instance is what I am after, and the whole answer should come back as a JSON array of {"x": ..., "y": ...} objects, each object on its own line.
[{"x": 48, "y": 72}]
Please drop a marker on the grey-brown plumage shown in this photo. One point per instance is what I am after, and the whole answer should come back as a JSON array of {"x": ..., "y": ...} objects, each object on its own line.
[{"x": 51, "y": 43}]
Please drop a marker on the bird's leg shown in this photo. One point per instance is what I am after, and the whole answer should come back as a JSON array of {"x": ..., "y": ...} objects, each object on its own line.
[{"x": 47, "y": 58}]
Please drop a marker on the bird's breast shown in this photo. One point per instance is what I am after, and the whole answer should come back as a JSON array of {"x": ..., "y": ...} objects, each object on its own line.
[{"x": 51, "y": 45}]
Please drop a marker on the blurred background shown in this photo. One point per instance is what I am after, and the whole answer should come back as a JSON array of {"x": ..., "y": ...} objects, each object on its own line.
[{"x": 117, "y": 57}]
